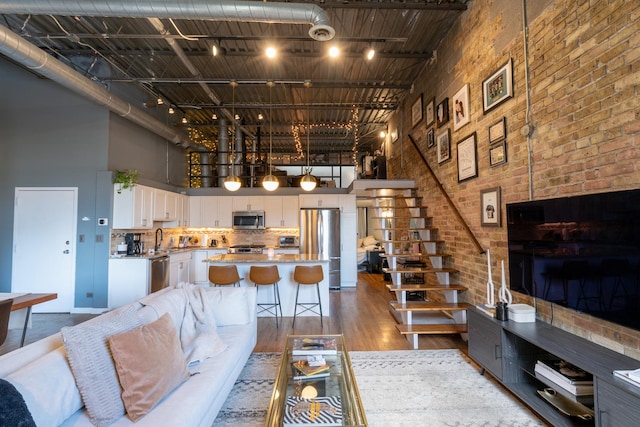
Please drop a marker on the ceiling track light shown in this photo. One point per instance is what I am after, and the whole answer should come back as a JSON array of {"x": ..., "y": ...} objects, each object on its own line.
[
  {"x": 232, "y": 182},
  {"x": 270, "y": 182},
  {"x": 171, "y": 110}
]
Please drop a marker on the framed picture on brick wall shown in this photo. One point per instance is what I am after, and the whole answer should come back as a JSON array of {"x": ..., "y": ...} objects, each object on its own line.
[
  {"x": 467, "y": 158},
  {"x": 490, "y": 207},
  {"x": 461, "y": 107},
  {"x": 416, "y": 111},
  {"x": 498, "y": 87},
  {"x": 442, "y": 112},
  {"x": 498, "y": 153},
  {"x": 430, "y": 112},
  {"x": 430, "y": 138},
  {"x": 444, "y": 146}
]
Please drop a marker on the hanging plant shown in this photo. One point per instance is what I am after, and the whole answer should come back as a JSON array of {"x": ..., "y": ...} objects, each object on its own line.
[{"x": 126, "y": 178}]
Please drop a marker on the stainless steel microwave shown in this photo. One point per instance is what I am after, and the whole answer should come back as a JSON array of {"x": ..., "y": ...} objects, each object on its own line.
[{"x": 248, "y": 220}]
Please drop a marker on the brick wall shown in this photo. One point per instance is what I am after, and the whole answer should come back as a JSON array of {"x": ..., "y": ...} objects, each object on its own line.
[{"x": 584, "y": 72}]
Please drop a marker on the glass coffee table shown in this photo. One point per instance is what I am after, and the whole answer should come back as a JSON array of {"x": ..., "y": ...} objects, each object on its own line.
[{"x": 330, "y": 397}]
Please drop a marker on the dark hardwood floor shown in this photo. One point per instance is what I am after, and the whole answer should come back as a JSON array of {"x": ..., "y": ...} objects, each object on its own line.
[{"x": 360, "y": 313}]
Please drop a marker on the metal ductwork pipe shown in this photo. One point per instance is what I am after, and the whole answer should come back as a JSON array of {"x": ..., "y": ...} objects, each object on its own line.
[
  {"x": 40, "y": 62},
  {"x": 223, "y": 151},
  {"x": 205, "y": 169},
  {"x": 238, "y": 11}
]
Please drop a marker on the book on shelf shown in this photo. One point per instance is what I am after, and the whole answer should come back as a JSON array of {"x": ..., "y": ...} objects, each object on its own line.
[
  {"x": 320, "y": 411},
  {"x": 571, "y": 390},
  {"x": 323, "y": 346},
  {"x": 631, "y": 376},
  {"x": 302, "y": 370},
  {"x": 565, "y": 372},
  {"x": 487, "y": 309}
]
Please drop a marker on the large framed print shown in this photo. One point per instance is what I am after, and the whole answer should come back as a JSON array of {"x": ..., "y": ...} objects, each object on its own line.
[
  {"x": 490, "y": 207},
  {"x": 467, "y": 158},
  {"x": 416, "y": 111},
  {"x": 430, "y": 112},
  {"x": 444, "y": 146},
  {"x": 461, "y": 107},
  {"x": 498, "y": 87}
]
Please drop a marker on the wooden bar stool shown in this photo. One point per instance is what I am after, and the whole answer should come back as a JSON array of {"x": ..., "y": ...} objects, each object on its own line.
[
  {"x": 267, "y": 276},
  {"x": 224, "y": 275},
  {"x": 5, "y": 311},
  {"x": 308, "y": 275}
]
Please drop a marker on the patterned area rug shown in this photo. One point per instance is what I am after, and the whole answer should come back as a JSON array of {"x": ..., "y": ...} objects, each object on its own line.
[{"x": 398, "y": 388}]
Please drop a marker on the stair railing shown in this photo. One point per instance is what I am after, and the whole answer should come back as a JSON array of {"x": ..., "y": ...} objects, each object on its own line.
[{"x": 447, "y": 198}]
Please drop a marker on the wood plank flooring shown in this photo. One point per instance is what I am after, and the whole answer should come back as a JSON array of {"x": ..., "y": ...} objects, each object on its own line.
[{"x": 361, "y": 314}]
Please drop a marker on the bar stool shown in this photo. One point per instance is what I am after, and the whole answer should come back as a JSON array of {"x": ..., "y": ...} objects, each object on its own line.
[
  {"x": 5, "y": 311},
  {"x": 267, "y": 276},
  {"x": 308, "y": 275},
  {"x": 224, "y": 275}
]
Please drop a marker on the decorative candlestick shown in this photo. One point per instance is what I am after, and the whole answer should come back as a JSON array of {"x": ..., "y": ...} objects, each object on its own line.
[
  {"x": 491, "y": 299},
  {"x": 504, "y": 294}
]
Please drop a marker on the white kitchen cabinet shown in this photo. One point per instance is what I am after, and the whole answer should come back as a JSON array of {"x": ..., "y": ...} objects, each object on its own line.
[
  {"x": 165, "y": 205},
  {"x": 349, "y": 250},
  {"x": 179, "y": 264},
  {"x": 128, "y": 280},
  {"x": 210, "y": 211},
  {"x": 182, "y": 217},
  {"x": 248, "y": 203},
  {"x": 199, "y": 269},
  {"x": 348, "y": 203},
  {"x": 319, "y": 200},
  {"x": 132, "y": 208},
  {"x": 281, "y": 211}
]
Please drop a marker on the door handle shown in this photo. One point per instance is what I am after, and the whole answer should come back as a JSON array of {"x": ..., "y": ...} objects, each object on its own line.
[{"x": 66, "y": 251}]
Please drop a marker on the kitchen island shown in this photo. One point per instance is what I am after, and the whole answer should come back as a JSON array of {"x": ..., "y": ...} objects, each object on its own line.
[{"x": 286, "y": 265}]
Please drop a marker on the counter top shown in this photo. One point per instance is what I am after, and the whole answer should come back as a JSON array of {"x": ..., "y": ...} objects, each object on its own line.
[
  {"x": 264, "y": 258},
  {"x": 169, "y": 252}
]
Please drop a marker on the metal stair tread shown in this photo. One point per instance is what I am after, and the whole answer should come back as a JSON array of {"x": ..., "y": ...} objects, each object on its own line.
[
  {"x": 412, "y": 241},
  {"x": 432, "y": 329},
  {"x": 419, "y": 270},
  {"x": 417, "y": 287},
  {"x": 412, "y": 254},
  {"x": 418, "y": 306}
]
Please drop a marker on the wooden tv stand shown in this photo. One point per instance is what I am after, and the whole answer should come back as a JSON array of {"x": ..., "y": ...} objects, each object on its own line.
[{"x": 509, "y": 351}]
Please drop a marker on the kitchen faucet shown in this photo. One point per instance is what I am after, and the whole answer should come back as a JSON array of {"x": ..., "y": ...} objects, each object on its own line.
[{"x": 157, "y": 247}]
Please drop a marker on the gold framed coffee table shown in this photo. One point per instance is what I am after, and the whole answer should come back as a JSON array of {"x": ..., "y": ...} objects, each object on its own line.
[{"x": 329, "y": 398}]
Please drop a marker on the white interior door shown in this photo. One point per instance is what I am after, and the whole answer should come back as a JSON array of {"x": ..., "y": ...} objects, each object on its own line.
[{"x": 44, "y": 236}]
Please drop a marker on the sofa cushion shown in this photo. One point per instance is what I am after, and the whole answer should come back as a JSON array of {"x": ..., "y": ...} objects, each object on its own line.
[
  {"x": 150, "y": 364},
  {"x": 48, "y": 388},
  {"x": 92, "y": 365},
  {"x": 229, "y": 305}
]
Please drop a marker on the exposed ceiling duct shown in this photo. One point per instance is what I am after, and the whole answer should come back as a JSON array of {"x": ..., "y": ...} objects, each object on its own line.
[
  {"x": 241, "y": 11},
  {"x": 34, "y": 58}
]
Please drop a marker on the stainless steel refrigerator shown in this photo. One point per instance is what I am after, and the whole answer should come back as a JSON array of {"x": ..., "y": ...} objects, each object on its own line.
[{"x": 320, "y": 234}]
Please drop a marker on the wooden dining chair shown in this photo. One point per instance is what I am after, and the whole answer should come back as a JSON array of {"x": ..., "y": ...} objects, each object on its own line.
[{"x": 5, "y": 311}]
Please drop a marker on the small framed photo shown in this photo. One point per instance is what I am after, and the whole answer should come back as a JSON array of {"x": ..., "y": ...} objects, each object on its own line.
[
  {"x": 498, "y": 153},
  {"x": 430, "y": 112},
  {"x": 416, "y": 111},
  {"x": 461, "y": 114},
  {"x": 467, "y": 158},
  {"x": 394, "y": 134},
  {"x": 498, "y": 87},
  {"x": 498, "y": 131},
  {"x": 431, "y": 138},
  {"x": 442, "y": 112},
  {"x": 444, "y": 146},
  {"x": 490, "y": 207}
]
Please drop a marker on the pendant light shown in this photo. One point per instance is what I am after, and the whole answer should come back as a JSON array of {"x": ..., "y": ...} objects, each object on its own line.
[
  {"x": 308, "y": 181},
  {"x": 270, "y": 182},
  {"x": 232, "y": 182}
]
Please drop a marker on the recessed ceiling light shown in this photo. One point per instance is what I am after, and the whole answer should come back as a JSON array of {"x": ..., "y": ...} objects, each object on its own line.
[
  {"x": 214, "y": 50},
  {"x": 370, "y": 54},
  {"x": 260, "y": 116},
  {"x": 334, "y": 52},
  {"x": 271, "y": 52}
]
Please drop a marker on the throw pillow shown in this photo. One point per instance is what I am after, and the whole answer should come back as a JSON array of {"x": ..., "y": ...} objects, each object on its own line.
[
  {"x": 92, "y": 365},
  {"x": 229, "y": 305},
  {"x": 150, "y": 364}
]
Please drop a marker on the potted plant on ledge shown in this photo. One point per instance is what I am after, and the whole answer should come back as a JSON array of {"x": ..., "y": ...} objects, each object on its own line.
[{"x": 125, "y": 178}]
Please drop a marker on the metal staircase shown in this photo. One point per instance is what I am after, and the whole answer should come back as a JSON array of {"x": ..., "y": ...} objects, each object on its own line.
[{"x": 426, "y": 295}]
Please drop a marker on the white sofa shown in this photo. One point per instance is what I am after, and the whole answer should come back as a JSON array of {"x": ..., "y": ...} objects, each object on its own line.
[{"x": 42, "y": 374}]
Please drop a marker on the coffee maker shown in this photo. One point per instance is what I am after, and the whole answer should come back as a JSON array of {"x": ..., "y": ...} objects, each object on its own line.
[{"x": 134, "y": 243}]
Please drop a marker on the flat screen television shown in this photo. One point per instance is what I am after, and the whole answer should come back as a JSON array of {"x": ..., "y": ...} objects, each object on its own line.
[{"x": 581, "y": 252}]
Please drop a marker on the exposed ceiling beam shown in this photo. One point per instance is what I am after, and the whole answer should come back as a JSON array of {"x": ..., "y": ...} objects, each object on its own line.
[{"x": 390, "y": 106}]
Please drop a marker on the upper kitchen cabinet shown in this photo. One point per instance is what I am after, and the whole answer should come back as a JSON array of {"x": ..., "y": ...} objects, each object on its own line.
[
  {"x": 281, "y": 211},
  {"x": 165, "y": 205},
  {"x": 183, "y": 210},
  {"x": 319, "y": 200},
  {"x": 245, "y": 203},
  {"x": 133, "y": 208},
  {"x": 210, "y": 211}
]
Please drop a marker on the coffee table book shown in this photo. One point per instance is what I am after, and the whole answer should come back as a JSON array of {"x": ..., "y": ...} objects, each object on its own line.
[
  {"x": 306, "y": 346},
  {"x": 320, "y": 411},
  {"x": 302, "y": 370}
]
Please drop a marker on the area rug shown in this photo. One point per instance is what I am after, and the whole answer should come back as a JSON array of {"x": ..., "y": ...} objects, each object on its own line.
[{"x": 398, "y": 388}]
